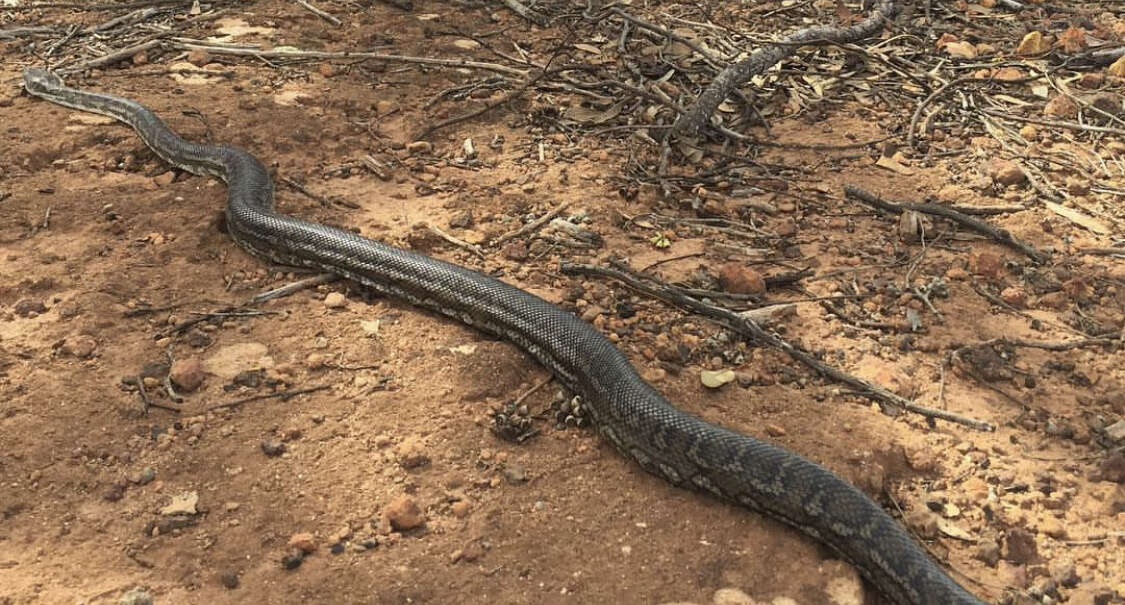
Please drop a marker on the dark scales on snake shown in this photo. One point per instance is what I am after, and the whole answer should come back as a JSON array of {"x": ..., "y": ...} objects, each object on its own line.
[{"x": 639, "y": 421}]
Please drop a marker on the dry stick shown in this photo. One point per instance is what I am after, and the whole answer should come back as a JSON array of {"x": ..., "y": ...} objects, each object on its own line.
[
  {"x": 19, "y": 32},
  {"x": 460, "y": 243},
  {"x": 323, "y": 201},
  {"x": 707, "y": 56},
  {"x": 319, "y": 13},
  {"x": 750, "y": 329},
  {"x": 537, "y": 223},
  {"x": 111, "y": 58},
  {"x": 284, "y": 395},
  {"x": 1119, "y": 252},
  {"x": 474, "y": 113},
  {"x": 526, "y": 12},
  {"x": 131, "y": 18},
  {"x": 314, "y": 54},
  {"x": 996, "y": 233},
  {"x": 528, "y": 83},
  {"x": 1065, "y": 345},
  {"x": 96, "y": 7},
  {"x": 1054, "y": 123},
  {"x": 297, "y": 286},
  {"x": 986, "y": 210},
  {"x": 698, "y": 115},
  {"x": 243, "y": 309},
  {"x": 146, "y": 43}
]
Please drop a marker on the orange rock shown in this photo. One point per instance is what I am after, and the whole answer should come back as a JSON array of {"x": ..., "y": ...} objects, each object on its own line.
[
  {"x": 187, "y": 373},
  {"x": 1015, "y": 296},
  {"x": 304, "y": 541},
  {"x": 1005, "y": 172},
  {"x": 740, "y": 279},
  {"x": 987, "y": 264},
  {"x": 404, "y": 513}
]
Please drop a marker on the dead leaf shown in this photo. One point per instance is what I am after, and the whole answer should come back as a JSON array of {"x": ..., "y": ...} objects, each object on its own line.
[
  {"x": 953, "y": 531},
  {"x": 1117, "y": 68},
  {"x": 590, "y": 48},
  {"x": 963, "y": 50},
  {"x": 843, "y": 14},
  {"x": 1079, "y": 218},
  {"x": 586, "y": 115},
  {"x": 1034, "y": 43},
  {"x": 714, "y": 379},
  {"x": 182, "y": 504},
  {"x": 893, "y": 164},
  {"x": 1073, "y": 39},
  {"x": 1061, "y": 106},
  {"x": 1008, "y": 74}
]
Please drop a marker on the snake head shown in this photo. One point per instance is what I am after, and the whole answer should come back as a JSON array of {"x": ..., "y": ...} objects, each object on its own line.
[{"x": 41, "y": 80}]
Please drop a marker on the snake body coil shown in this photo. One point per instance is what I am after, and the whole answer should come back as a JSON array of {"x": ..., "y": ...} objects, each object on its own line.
[{"x": 641, "y": 423}]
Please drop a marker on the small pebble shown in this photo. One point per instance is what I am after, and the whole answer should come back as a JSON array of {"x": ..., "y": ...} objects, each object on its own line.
[
  {"x": 1020, "y": 546},
  {"x": 987, "y": 550},
  {"x": 335, "y": 300},
  {"x": 81, "y": 346},
  {"x": 516, "y": 250},
  {"x": 273, "y": 448},
  {"x": 136, "y": 596},
  {"x": 411, "y": 453},
  {"x": 403, "y": 513},
  {"x": 293, "y": 559},
  {"x": 29, "y": 307},
  {"x": 515, "y": 472},
  {"x": 199, "y": 58},
  {"x": 1005, "y": 172},
  {"x": 143, "y": 476},
  {"x": 187, "y": 373},
  {"x": 114, "y": 492},
  {"x": 303, "y": 541},
  {"x": 314, "y": 361},
  {"x": 229, "y": 580},
  {"x": 741, "y": 279},
  {"x": 731, "y": 596}
]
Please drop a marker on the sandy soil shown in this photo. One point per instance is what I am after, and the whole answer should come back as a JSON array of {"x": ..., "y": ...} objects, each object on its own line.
[{"x": 103, "y": 250}]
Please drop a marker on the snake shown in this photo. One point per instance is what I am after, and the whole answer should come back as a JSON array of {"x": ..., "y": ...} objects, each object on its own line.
[{"x": 682, "y": 448}]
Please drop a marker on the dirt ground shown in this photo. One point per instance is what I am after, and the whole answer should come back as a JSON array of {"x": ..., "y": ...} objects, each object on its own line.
[{"x": 104, "y": 251}]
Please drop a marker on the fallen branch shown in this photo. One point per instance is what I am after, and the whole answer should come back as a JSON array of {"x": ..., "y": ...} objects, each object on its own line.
[
  {"x": 218, "y": 49},
  {"x": 752, "y": 330},
  {"x": 319, "y": 13},
  {"x": 526, "y": 12},
  {"x": 283, "y": 395},
  {"x": 996, "y": 233}
]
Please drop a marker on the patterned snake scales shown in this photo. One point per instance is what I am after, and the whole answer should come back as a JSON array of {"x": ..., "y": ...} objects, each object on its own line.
[{"x": 642, "y": 424}]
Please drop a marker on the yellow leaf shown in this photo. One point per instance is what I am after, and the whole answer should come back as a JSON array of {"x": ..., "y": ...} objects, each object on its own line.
[
  {"x": 1118, "y": 67},
  {"x": 1079, "y": 218},
  {"x": 1033, "y": 44},
  {"x": 660, "y": 240},
  {"x": 965, "y": 50},
  {"x": 714, "y": 379},
  {"x": 892, "y": 164}
]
